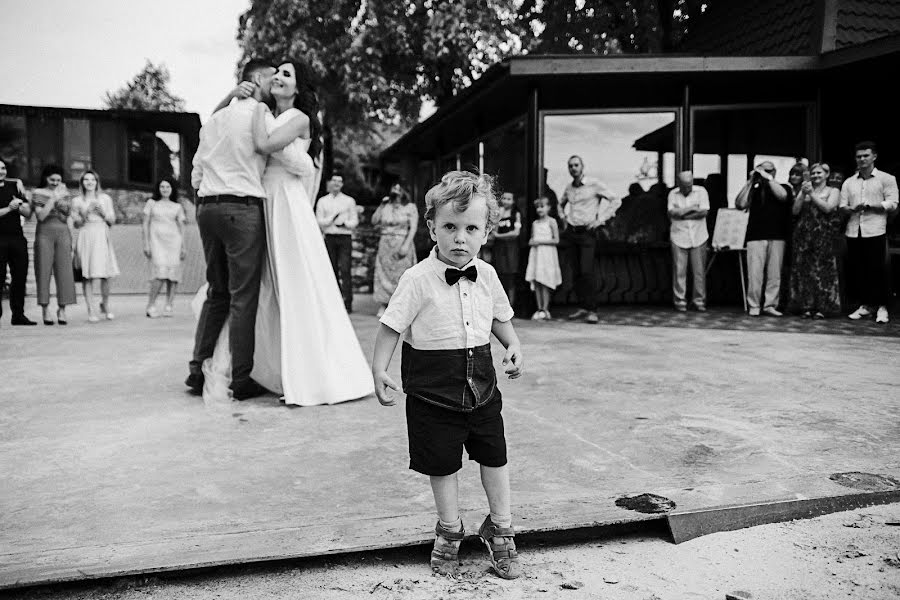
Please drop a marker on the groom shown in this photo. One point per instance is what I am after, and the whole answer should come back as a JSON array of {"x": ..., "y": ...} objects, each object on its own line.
[{"x": 227, "y": 177}]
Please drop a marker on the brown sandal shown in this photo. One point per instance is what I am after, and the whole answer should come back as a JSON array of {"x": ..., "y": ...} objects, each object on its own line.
[
  {"x": 504, "y": 557},
  {"x": 445, "y": 556}
]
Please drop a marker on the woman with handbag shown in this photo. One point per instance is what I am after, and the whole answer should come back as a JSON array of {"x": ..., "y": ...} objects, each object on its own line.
[
  {"x": 94, "y": 214},
  {"x": 53, "y": 244}
]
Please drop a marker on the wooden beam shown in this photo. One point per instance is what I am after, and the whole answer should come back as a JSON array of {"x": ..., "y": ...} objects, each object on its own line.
[{"x": 636, "y": 64}]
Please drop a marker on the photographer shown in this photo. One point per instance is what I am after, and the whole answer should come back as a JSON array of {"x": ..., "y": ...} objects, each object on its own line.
[{"x": 768, "y": 228}]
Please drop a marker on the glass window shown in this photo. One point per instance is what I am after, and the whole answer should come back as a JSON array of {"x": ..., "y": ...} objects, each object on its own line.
[
  {"x": 728, "y": 142},
  {"x": 76, "y": 147},
  {"x": 632, "y": 153},
  {"x": 13, "y": 146},
  {"x": 168, "y": 155},
  {"x": 106, "y": 146},
  {"x": 44, "y": 144},
  {"x": 140, "y": 156}
]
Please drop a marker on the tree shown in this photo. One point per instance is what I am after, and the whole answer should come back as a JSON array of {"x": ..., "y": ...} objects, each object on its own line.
[
  {"x": 149, "y": 90},
  {"x": 606, "y": 26},
  {"x": 377, "y": 60}
]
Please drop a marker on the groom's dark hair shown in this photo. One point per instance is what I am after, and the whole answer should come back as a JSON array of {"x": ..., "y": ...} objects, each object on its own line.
[{"x": 252, "y": 66}]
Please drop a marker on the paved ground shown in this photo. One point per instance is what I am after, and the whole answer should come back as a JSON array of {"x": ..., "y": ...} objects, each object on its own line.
[{"x": 109, "y": 466}]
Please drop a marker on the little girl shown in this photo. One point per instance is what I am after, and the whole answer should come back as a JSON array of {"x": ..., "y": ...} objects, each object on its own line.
[
  {"x": 505, "y": 251},
  {"x": 543, "y": 263}
]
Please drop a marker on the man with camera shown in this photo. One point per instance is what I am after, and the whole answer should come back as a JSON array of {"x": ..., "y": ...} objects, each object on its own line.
[{"x": 768, "y": 228}]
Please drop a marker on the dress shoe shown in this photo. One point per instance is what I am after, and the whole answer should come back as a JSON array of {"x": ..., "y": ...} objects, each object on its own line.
[
  {"x": 882, "y": 316},
  {"x": 21, "y": 320},
  {"x": 753, "y": 312},
  {"x": 247, "y": 390},
  {"x": 591, "y": 317},
  {"x": 195, "y": 383},
  {"x": 772, "y": 311},
  {"x": 700, "y": 307},
  {"x": 681, "y": 307}
]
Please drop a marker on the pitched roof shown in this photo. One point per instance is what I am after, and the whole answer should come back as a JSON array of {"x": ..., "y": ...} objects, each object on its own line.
[
  {"x": 860, "y": 21},
  {"x": 790, "y": 27},
  {"x": 755, "y": 28}
]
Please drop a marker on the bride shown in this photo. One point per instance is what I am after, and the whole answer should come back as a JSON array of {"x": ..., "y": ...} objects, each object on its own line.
[{"x": 306, "y": 348}]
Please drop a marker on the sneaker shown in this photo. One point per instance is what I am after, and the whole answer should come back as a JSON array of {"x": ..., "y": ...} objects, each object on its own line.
[
  {"x": 579, "y": 314},
  {"x": 537, "y": 316},
  {"x": 882, "y": 316},
  {"x": 681, "y": 307},
  {"x": 167, "y": 310},
  {"x": 860, "y": 312},
  {"x": 591, "y": 318},
  {"x": 152, "y": 312},
  {"x": 807, "y": 314},
  {"x": 753, "y": 312},
  {"x": 772, "y": 311},
  {"x": 819, "y": 315},
  {"x": 700, "y": 307},
  {"x": 547, "y": 315}
]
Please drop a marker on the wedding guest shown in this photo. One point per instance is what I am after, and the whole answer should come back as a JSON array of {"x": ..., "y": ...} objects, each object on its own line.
[
  {"x": 586, "y": 204},
  {"x": 505, "y": 253},
  {"x": 53, "y": 244},
  {"x": 94, "y": 214},
  {"x": 13, "y": 246},
  {"x": 337, "y": 217},
  {"x": 866, "y": 198},
  {"x": 398, "y": 220},
  {"x": 768, "y": 227},
  {"x": 814, "y": 275},
  {"x": 163, "y": 234},
  {"x": 688, "y": 205}
]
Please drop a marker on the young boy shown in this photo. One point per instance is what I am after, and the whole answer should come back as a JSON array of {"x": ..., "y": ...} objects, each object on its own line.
[{"x": 447, "y": 306}]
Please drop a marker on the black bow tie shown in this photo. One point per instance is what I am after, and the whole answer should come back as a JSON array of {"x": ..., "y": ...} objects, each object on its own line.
[{"x": 454, "y": 275}]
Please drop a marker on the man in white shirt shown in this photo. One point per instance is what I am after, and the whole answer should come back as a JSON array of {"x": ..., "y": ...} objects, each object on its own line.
[
  {"x": 867, "y": 197},
  {"x": 227, "y": 177},
  {"x": 585, "y": 205},
  {"x": 688, "y": 206},
  {"x": 337, "y": 216}
]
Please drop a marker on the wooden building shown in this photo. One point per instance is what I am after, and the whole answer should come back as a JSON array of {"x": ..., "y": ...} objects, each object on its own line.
[
  {"x": 775, "y": 79},
  {"x": 129, "y": 148}
]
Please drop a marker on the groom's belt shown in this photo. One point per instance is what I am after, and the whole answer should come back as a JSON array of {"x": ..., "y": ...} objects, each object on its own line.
[{"x": 230, "y": 198}]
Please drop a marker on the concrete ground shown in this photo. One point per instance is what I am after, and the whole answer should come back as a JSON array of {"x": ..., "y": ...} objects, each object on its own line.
[{"x": 110, "y": 468}]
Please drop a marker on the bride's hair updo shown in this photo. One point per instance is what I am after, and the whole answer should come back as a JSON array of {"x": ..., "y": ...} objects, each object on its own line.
[{"x": 307, "y": 102}]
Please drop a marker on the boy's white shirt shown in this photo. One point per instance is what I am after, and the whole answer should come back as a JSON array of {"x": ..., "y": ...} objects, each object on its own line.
[{"x": 432, "y": 315}]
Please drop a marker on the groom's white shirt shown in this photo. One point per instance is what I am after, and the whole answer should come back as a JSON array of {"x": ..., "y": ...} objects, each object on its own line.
[{"x": 226, "y": 161}]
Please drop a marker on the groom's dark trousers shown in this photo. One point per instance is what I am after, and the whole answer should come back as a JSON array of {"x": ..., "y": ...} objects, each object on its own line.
[{"x": 234, "y": 242}]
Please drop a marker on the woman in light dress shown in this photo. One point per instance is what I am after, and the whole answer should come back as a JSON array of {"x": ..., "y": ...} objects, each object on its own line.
[
  {"x": 398, "y": 220},
  {"x": 306, "y": 348},
  {"x": 93, "y": 214},
  {"x": 163, "y": 233}
]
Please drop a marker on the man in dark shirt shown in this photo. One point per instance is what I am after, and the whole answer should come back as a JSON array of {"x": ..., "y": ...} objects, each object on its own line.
[
  {"x": 13, "y": 247},
  {"x": 768, "y": 228}
]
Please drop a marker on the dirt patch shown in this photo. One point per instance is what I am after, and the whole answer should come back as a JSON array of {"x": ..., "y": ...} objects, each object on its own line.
[
  {"x": 869, "y": 482},
  {"x": 650, "y": 504}
]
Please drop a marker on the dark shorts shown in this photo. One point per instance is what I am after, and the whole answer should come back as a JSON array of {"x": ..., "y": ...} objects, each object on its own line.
[{"x": 437, "y": 436}]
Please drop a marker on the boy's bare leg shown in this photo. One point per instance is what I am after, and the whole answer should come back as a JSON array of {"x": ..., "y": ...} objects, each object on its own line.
[
  {"x": 446, "y": 497},
  {"x": 496, "y": 485}
]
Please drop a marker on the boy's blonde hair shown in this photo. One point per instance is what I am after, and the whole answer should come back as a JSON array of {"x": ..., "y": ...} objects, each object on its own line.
[{"x": 459, "y": 187}]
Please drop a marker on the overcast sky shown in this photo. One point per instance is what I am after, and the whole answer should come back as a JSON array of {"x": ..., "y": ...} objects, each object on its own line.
[{"x": 68, "y": 53}]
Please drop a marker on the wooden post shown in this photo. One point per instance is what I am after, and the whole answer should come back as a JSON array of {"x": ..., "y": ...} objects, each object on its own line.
[{"x": 532, "y": 150}]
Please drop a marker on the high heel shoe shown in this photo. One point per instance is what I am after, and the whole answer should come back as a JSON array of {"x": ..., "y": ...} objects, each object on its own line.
[
  {"x": 61, "y": 317},
  {"x": 46, "y": 320}
]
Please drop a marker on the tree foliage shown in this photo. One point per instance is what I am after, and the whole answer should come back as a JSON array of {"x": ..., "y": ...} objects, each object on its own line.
[
  {"x": 149, "y": 90},
  {"x": 378, "y": 59},
  {"x": 606, "y": 26}
]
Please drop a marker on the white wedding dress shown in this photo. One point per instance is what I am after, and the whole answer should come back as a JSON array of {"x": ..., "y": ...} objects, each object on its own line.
[{"x": 306, "y": 348}]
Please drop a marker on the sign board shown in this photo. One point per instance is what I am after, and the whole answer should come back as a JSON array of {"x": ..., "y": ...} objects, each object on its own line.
[{"x": 731, "y": 229}]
